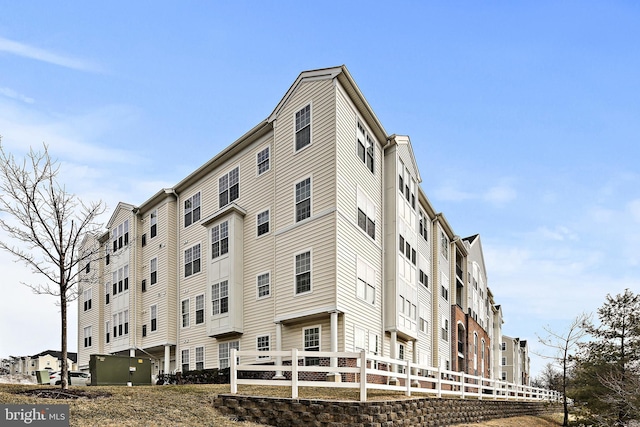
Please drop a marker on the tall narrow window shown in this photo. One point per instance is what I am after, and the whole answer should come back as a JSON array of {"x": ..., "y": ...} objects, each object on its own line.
[
  {"x": 264, "y": 285},
  {"x": 444, "y": 245},
  {"x": 263, "y": 222},
  {"x": 365, "y": 147},
  {"x": 199, "y": 358},
  {"x": 224, "y": 353},
  {"x": 199, "y": 309},
  {"x": 262, "y": 344},
  {"x": 185, "y": 313},
  {"x": 303, "y": 199},
  {"x": 220, "y": 298},
  {"x": 154, "y": 318},
  {"x": 192, "y": 209},
  {"x": 303, "y": 127},
  {"x": 87, "y": 336},
  {"x": 263, "y": 161},
  {"x": 365, "y": 286},
  {"x": 303, "y": 272},
  {"x": 192, "y": 260},
  {"x": 154, "y": 223},
  {"x": 107, "y": 328},
  {"x": 366, "y": 214},
  {"x": 312, "y": 343},
  {"x": 229, "y": 187},
  {"x": 185, "y": 360},
  {"x": 153, "y": 267},
  {"x": 106, "y": 292},
  {"x": 87, "y": 296},
  {"x": 220, "y": 239},
  {"x": 126, "y": 277}
]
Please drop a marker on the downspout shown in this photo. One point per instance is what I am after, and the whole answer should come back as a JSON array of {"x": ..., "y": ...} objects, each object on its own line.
[
  {"x": 133, "y": 285},
  {"x": 382, "y": 244},
  {"x": 177, "y": 278}
]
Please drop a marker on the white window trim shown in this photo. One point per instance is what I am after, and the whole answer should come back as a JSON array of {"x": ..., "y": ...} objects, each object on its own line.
[
  {"x": 319, "y": 338},
  {"x": 310, "y": 291},
  {"x": 204, "y": 309},
  {"x": 258, "y": 297},
  {"x": 293, "y": 127},
  {"x": 295, "y": 202},
  {"x": 370, "y": 274},
  {"x": 188, "y": 313},
  {"x": 227, "y": 174},
  {"x": 268, "y": 210},
  {"x": 263, "y": 358},
  {"x": 195, "y": 356},
  {"x": 260, "y": 150},
  {"x": 184, "y": 213},
  {"x": 182, "y": 359},
  {"x": 152, "y": 331}
]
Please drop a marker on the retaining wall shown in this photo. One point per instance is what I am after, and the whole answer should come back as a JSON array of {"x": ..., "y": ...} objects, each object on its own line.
[{"x": 431, "y": 412}]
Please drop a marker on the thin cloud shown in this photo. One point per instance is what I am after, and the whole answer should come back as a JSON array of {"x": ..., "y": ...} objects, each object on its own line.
[
  {"x": 31, "y": 52},
  {"x": 499, "y": 194},
  {"x": 10, "y": 93}
]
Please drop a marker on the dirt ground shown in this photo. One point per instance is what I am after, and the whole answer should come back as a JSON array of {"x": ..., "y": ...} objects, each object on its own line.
[{"x": 186, "y": 405}]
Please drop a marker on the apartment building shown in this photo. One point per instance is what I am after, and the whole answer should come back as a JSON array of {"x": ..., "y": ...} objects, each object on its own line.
[
  {"x": 311, "y": 231},
  {"x": 515, "y": 360},
  {"x": 46, "y": 360}
]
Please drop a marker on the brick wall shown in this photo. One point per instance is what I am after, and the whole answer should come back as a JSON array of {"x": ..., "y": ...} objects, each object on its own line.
[{"x": 429, "y": 412}]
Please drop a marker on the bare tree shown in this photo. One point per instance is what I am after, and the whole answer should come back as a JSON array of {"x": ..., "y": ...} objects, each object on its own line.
[
  {"x": 46, "y": 225},
  {"x": 564, "y": 344}
]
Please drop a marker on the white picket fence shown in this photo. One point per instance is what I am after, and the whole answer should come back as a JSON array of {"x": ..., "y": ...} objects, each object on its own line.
[{"x": 408, "y": 377}]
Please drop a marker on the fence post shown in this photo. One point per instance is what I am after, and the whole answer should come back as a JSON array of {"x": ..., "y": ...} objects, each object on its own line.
[
  {"x": 233, "y": 372},
  {"x": 462, "y": 385},
  {"x": 439, "y": 381},
  {"x": 294, "y": 373},
  {"x": 363, "y": 376}
]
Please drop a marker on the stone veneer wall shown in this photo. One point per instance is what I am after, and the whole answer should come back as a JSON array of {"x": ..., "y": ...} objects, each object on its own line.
[{"x": 431, "y": 412}]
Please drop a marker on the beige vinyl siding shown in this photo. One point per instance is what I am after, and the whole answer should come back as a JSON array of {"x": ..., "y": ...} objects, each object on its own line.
[
  {"x": 315, "y": 160},
  {"x": 293, "y": 335},
  {"x": 316, "y": 237},
  {"x": 92, "y": 316}
]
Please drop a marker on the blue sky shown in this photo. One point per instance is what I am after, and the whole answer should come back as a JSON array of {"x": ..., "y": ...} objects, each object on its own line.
[{"x": 524, "y": 118}]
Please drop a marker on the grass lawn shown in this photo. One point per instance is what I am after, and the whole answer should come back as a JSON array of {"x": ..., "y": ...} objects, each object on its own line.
[{"x": 187, "y": 405}]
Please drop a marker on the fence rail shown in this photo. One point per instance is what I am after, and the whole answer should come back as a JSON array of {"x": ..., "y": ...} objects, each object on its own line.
[{"x": 365, "y": 371}]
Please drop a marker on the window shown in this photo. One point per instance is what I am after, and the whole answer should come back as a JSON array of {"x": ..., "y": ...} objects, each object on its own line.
[
  {"x": 144, "y": 330},
  {"x": 192, "y": 209},
  {"x": 220, "y": 239},
  {"x": 504, "y": 361},
  {"x": 263, "y": 223},
  {"x": 199, "y": 358},
  {"x": 401, "y": 351},
  {"x": 504, "y": 376},
  {"x": 121, "y": 323},
  {"x": 224, "y": 353},
  {"x": 199, "y": 309},
  {"x": 220, "y": 298},
  {"x": 153, "y": 220},
  {"x": 192, "y": 260},
  {"x": 444, "y": 245},
  {"x": 153, "y": 268},
  {"x": 125, "y": 273},
  {"x": 106, "y": 292},
  {"x": 154, "y": 318},
  {"x": 87, "y": 296},
  {"x": 87, "y": 336},
  {"x": 373, "y": 343},
  {"x": 303, "y": 199},
  {"x": 263, "y": 161},
  {"x": 445, "y": 293},
  {"x": 144, "y": 240},
  {"x": 303, "y": 272},
  {"x": 365, "y": 286},
  {"x": 87, "y": 268},
  {"x": 264, "y": 285},
  {"x": 445, "y": 329},
  {"x": 312, "y": 343},
  {"x": 185, "y": 360},
  {"x": 115, "y": 283},
  {"x": 366, "y": 215},
  {"x": 359, "y": 339},
  {"x": 365, "y": 147},
  {"x": 107, "y": 328},
  {"x": 401, "y": 244},
  {"x": 423, "y": 226},
  {"x": 143, "y": 285},
  {"x": 303, "y": 127},
  {"x": 424, "y": 279},
  {"x": 185, "y": 313},
  {"x": 120, "y": 235},
  {"x": 262, "y": 344},
  {"x": 229, "y": 187},
  {"x": 424, "y": 325},
  {"x": 503, "y": 346}
]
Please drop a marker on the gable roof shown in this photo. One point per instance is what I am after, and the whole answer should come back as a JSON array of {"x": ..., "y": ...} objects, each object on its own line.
[{"x": 57, "y": 355}]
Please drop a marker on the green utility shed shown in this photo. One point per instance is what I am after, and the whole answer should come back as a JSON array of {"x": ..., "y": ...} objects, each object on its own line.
[{"x": 107, "y": 369}]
